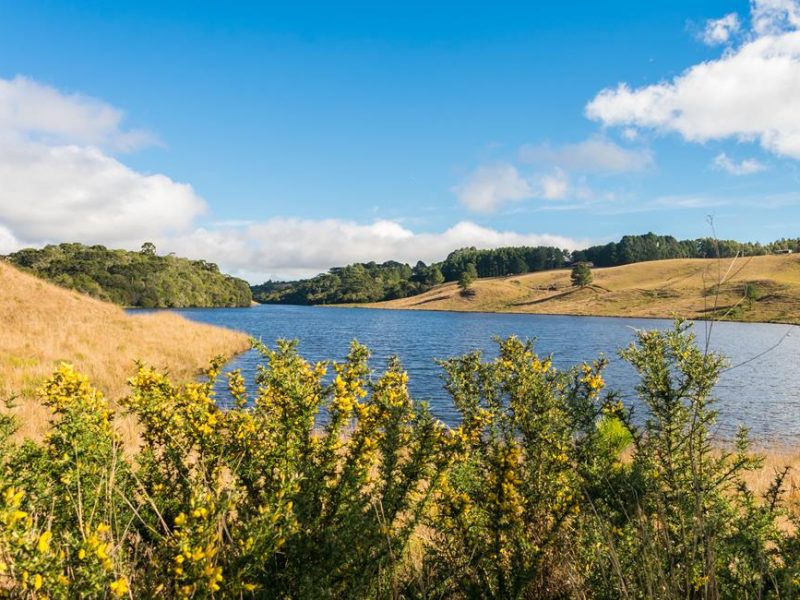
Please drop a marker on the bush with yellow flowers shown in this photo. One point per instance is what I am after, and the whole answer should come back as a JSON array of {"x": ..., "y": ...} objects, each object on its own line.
[{"x": 331, "y": 482}]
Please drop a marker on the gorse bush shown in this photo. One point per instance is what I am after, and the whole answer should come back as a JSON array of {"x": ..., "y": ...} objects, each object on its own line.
[{"x": 331, "y": 482}]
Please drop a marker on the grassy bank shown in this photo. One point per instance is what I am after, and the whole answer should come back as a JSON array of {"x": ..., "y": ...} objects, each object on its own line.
[
  {"x": 760, "y": 288},
  {"x": 43, "y": 324}
]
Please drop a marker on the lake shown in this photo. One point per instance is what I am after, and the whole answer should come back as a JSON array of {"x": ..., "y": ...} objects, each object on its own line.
[{"x": 761, "y": 388}]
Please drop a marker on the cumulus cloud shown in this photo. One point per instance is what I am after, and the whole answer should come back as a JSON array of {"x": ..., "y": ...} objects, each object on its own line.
[
  {"x": 489, "y": 188},
  {"x": 29, "y": 109},
  {"x": 720, "y": 31},
  {"x": 291, "y": 248},
  {"x": 748, "y": 166},
  {"x": 60, "y": 182},
  {"x": 750, "y": 93},
  {"x": 594, "y": 155},
  {"x": 79, "y": 193}
]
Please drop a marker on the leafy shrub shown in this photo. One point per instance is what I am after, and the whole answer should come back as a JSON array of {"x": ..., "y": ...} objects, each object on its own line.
[{"x": 332, "y": 483}]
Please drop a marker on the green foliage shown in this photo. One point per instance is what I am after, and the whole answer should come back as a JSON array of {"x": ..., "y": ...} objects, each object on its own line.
[
  {"x": 752, "y": 293},
  {"x": 466, "y": 279},
  {"x": 695, "y": 530},
  {"x": 581, "y": 275},
  {"x": 641, "y": 248},
  {"x": 332, "y": 483},
  {"x": 141, "y": 279},
  {"x": 505, "y": 515},
  {"x": 360, "y": 282},
  {"x": 499, "y": 262}
]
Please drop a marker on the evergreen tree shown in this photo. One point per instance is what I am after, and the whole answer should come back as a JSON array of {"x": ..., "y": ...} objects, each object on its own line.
[{"x": 581, "y": 275}]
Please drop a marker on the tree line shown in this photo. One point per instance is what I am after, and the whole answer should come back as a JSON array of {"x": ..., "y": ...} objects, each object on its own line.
[
  {"x": 141, "y": 279},
  {"x": 374, "y": 282}
]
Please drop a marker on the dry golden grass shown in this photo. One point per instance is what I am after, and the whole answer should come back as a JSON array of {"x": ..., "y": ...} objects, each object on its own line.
[
  {"x": 42, "y": 324},
  {"x": 665, "y": 288}
]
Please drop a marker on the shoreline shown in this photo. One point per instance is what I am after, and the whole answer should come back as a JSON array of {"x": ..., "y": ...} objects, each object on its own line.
[{"x": 373, "y": 306}]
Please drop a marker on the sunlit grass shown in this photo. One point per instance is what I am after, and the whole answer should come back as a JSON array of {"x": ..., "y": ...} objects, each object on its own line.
[
  {"x": 42, "y": 324},
  {"x": 664, "y": 288}
]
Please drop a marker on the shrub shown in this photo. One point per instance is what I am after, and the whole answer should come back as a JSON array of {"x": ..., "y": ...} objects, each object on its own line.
[{"x": 330, "y": 483}]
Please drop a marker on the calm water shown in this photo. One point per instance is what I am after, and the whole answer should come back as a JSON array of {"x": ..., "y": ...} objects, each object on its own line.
[{"x": 761, "y": 390}]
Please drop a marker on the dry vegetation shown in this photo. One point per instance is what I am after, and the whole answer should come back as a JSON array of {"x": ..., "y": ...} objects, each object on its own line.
[
  {"x": 43, "y": 324},
  {"x": 686, "y": 287}
]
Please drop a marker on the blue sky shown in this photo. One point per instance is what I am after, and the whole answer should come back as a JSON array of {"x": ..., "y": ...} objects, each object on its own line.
[{"x": 283, "y": 138}]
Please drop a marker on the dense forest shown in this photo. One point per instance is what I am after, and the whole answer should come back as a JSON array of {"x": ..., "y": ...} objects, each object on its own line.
[
  {"x": 373, "y": 282},
  {"x": 640, "y": 248},
  {"x": 142, "y": 279}
]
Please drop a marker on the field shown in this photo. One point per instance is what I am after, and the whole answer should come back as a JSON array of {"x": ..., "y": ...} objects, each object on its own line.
[
  {"x": 690, "y": 288},
  {"x": 43, "y": 324}
]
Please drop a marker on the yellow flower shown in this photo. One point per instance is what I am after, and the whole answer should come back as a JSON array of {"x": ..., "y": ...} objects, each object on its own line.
[
  {"x": 119, "y": 587},
  {"x": 37, "y": 581},
  {"x": 43, "y": 546}
]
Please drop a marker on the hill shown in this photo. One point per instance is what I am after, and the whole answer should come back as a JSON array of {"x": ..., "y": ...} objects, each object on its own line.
[
  {"x": 141, "y": 279},
  {"x": 43, "y": 324},
  {"x": 758, "y": 288},
  {"x": 391, "y": 280}
]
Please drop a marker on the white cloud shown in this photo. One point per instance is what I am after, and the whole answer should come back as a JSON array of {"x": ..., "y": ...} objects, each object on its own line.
[
  {"x": 750, "y": 93},
  {"x": 747, "y": 166},
  {"x": 775, "y": 16},
  {"x": 8, "y": 242},
  {"x": 555, "y": 186},
  {"x": 489, "y": 188},
  {"x": 719, "y": 31},
  {"x": 291, "y": 248},
  {"x": 59, "y": 185},
  {"x": 80, "y": 194},
  {"x": 595, "y": 155},
  {"x": 32, "y": 110}
]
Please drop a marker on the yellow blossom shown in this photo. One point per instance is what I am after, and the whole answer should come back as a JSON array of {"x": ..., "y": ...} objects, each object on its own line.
[
  {"x": 119, "y": 587},
  {"x": 43, "y": 546}
]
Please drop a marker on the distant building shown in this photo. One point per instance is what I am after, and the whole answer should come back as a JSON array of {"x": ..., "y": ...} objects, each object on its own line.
[{"x": 783, "y": 251}]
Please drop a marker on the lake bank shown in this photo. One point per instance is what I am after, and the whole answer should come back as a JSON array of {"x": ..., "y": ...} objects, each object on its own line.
[{"x": 761, "y": 289}]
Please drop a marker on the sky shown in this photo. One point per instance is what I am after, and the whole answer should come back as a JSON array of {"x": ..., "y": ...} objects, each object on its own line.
[{"x": 280, "y": 139}]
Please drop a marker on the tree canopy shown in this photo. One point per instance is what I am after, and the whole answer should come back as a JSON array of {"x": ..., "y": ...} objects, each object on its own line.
[
  {"x": 140, "y": 279},
  {"x": 581, "y": 275}
]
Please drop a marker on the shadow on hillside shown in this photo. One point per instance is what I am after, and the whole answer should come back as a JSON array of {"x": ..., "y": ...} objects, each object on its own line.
[
  {"x": 593, "y": 288},
  {"x": 434, "y": 299}
]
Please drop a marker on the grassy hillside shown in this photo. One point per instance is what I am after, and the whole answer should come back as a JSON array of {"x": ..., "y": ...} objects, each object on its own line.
[
  {"x": 142, "y": 279},
  {"x": 692, "y": 288},
  {"x": 43, "y": 324}
]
